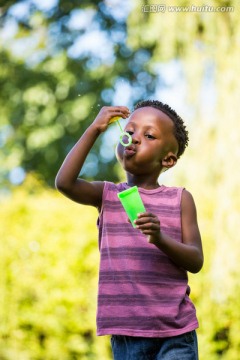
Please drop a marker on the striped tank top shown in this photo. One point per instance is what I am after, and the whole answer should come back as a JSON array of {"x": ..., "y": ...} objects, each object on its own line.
[{"x": 141, "y": 291}]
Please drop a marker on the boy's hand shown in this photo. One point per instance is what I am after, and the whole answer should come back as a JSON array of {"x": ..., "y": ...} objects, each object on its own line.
[
  {"x": 107, "y": 113},
  {"x": 149, "y": 225}
]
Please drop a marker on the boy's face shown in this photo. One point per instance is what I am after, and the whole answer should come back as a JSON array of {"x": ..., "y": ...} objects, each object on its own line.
[{"x": 153, "y": 147}]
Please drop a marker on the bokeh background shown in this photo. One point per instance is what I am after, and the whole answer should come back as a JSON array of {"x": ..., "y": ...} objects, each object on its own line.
[{"x": 60, "y": 62}]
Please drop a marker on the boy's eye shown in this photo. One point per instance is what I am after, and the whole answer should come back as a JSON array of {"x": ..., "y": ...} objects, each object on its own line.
[
  {"x": 149, "y": 136},
  {"x": 129, "y": 132}
]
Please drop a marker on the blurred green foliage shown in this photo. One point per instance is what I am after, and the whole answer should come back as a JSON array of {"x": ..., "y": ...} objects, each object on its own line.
[
  {"x": 49, "y": 261},
  {"x": 53, "y": 82}
]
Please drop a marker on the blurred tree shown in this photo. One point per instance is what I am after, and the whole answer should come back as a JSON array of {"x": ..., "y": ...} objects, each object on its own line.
[
  {"x": 49, "y": 272},
  {"x": 59, "y": 63}
]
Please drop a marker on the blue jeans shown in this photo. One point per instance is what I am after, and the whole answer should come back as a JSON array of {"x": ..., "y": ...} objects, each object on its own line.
[{"x": 181, "y": 347}]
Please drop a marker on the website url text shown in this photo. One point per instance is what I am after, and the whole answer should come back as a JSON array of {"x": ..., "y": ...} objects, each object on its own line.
[{"x": 157, "y": 8}]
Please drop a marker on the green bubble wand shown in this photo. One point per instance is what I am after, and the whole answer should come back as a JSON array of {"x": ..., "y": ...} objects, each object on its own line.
[{"x": 124, "y": 134}]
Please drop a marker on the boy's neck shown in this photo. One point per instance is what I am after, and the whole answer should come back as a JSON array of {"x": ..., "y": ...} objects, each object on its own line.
[{"x": 143, "y": 182}]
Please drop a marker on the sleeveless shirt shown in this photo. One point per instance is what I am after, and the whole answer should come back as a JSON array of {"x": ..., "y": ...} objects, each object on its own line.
[{"x": 142, "y": 292}]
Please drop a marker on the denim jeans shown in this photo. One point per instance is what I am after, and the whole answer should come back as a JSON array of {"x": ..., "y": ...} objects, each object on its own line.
[{"x": 181, "y": 347}]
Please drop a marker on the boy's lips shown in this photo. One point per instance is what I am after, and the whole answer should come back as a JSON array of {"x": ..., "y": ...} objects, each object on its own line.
[{"x": 130, "y": 150}]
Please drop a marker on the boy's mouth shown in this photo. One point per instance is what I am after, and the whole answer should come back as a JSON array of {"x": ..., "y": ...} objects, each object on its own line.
[{"x": 130, "y": 150}]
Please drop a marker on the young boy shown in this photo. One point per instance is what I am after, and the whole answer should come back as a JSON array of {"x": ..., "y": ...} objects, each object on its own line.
[{"x": 143, "y": 298}]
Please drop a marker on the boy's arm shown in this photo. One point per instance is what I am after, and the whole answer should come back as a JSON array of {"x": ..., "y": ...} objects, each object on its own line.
[
  {"x": 189, "y": 253},
  {"x": 67, "y": 181}
]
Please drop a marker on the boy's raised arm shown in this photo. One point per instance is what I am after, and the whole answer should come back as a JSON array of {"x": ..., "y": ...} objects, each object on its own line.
[{"x": 67, "y": 181}]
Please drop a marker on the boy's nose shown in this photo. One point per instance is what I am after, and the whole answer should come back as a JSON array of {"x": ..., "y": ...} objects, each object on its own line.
[{"x": 136, "y": 138}]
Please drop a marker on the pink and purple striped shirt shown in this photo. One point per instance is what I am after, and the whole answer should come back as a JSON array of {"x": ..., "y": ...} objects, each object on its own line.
[{"x": 141, "y": 291}]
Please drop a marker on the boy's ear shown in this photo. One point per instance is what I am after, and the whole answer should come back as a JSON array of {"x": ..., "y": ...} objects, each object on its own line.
[{"x": 169, "y": 160}]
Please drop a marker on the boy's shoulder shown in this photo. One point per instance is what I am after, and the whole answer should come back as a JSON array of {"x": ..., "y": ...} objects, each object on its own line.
[
  {"x": 166, "y": 187},
  {"x": 110, "y": 186},
  {"x": 172, "y": 191}
]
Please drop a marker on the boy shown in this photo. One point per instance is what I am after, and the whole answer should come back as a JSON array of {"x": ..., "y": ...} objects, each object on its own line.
[{"x": 143, "y": 299}]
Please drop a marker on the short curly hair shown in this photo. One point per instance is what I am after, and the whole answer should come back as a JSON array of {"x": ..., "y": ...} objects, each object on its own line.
[{"x": 180, "y": 132}]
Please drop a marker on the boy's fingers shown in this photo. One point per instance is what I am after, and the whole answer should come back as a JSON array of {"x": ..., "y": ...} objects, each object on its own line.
[
  {"x": 119, "y": 109},
  {"x": 146, "y": 214},
  {"x": 122, "y": 108},
  {"x": 148, "y": 226},
  {"x": 140, "y": 215},
  {"x": 147, "y": 219}
]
